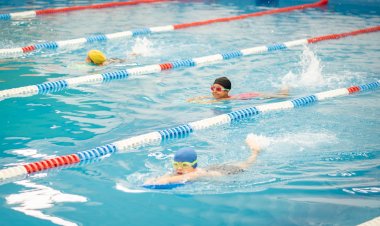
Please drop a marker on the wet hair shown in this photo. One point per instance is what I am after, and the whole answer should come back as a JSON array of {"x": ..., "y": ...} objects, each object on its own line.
[{"x": 223, "y": 81}]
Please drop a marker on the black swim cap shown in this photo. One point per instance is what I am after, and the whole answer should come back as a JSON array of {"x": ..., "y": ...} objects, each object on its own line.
[{"x": 223, "y": 81}]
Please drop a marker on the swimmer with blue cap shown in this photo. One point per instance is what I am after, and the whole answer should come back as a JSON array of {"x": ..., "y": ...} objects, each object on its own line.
[{"x": 185, "y": 165}]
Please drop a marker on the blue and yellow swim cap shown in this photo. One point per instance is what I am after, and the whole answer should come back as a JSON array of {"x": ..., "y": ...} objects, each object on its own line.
[
  {"x": 186, "y": 155},
  {"x": 96, "y": 56}
]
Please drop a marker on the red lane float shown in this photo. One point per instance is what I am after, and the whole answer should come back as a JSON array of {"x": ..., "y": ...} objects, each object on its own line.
[
  {"x": 268, "y": 12},
  {"x": 52, "y": 163},
  {"x": 94, "y": 6},
  {"x": 342, "y": 35},
  {"x": 34, "y": 13}
]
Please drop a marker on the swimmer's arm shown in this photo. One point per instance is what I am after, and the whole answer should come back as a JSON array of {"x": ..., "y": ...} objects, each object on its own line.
[
  {"x": 255, "y": 149},
  {"x": 210, "y": 101},
  {"x": 273, "y": 95},
  {"x": 168, "y": 179},
  {"x": 198, "y": 99},
  {"x": 283, "y": 93},
  {"x": 252, "y": 144},
  {"x": 206, "y": 100}
]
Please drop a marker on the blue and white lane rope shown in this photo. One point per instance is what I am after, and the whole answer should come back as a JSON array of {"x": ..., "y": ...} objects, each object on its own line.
[
  {"x": 79, "y": 42},
  {"x": 50, "y": 87},
  {"x": 176, "y": 132}
]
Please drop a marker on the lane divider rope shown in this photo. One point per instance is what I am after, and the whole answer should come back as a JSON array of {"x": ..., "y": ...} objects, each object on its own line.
[
  {"x": 55, "y": 86},
  {"x": 34, "y": 13},
  {"x": 80, "y": 42},
  {"x": 177, "y": 132}
]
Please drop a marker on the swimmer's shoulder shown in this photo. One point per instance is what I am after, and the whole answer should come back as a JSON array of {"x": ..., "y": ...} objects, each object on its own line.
[
  {"x": 224, "y": 169},
  {"x": 246, "y": 96}
]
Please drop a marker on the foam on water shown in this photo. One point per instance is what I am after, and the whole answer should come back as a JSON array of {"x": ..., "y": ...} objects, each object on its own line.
[{"x": 312, "y": 76}]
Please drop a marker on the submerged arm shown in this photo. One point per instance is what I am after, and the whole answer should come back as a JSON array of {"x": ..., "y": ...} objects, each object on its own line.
[
  {"x": 274, "y": 95},
  {"x": 283, "y": 93},
  {"x": 182, "y": 178},
  {"x": 206, "y": 100},
  {"x": 199, "y": 99},
  {"x": 168, "y": 179}
]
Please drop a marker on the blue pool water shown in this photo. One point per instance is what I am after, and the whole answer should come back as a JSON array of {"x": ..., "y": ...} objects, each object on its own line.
[{"x": 322, "y": 165}]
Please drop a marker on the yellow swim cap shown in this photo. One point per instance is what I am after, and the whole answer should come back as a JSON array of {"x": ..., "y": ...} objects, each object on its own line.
[{"x": 96, "y": 56}]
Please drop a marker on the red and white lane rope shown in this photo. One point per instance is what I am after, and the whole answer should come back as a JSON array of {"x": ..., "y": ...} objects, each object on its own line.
[
  {"x": 34, "y": 13},
  {"x": 79, "y": 42}
]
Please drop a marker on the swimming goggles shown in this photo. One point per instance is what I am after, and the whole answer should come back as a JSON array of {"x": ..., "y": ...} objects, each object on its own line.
[
  {"x": 184, "y": 165},
  {"x": 218, "y": 89}
]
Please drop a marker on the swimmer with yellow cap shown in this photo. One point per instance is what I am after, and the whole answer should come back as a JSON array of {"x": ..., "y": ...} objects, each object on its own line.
[{"x": 96, "y": 57}]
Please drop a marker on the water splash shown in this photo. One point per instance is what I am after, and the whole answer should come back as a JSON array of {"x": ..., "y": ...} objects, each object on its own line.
[
  {"x": 159, "y": 155},
  {"x": 301, "y": 141},
  {"x": 142, "y": 47},
  {"x": 262, "y": 141},
  {"x": 125, "y": 187},
  {"x": 310, "y": 75}
]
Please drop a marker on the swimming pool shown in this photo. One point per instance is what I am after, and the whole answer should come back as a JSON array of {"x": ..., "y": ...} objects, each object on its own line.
[{"x": 322, "y": 165}]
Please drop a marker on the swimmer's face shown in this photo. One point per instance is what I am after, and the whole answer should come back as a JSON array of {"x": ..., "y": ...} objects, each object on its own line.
[
  {"x": 88, "y": 60},
  {"x": 183, "y": 169},
  {"x": 219, "y": 92}
]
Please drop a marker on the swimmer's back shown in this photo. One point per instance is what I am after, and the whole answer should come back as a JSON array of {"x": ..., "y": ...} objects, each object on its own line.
[{"x": 225, "y": 169}]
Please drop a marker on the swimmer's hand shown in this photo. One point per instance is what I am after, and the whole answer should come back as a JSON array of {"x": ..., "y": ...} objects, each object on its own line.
[
  {"x": 257, "y": 142},
  {"x": 251, "y": 142}
]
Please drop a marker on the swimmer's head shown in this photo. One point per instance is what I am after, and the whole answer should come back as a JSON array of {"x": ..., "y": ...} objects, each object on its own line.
[
  {"x": 221, "y": 87},
  {"x": 96, "y": 57},
  {"x": 185, "y": 160},
  {"x": 223, "y": 81}
]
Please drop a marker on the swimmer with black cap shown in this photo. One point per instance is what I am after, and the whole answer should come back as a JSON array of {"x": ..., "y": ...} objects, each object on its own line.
[
  {"x": 221, "y": 88},
  {"x": 185, "y": 166}
]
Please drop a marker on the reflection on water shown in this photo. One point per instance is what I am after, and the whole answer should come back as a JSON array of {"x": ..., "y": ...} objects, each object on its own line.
[
  {"x": 33, "y": 201},
  {"x": 273, "y": 3},
  {"x": 33, "y": 153}
]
